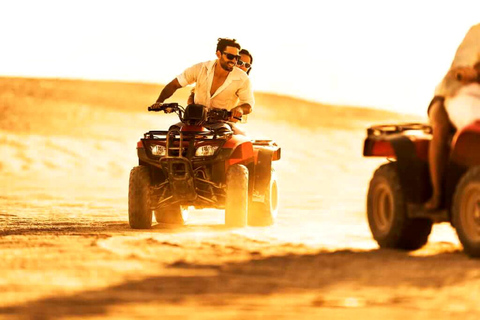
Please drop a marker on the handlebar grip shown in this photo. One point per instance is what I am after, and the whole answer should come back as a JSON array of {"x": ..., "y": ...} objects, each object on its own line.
[
  {"x": 156, "y": 107},
  {"x": 166, "y": 107},
  {"x": 171, "y": 105},
  {"x": 229, "y": 115}
]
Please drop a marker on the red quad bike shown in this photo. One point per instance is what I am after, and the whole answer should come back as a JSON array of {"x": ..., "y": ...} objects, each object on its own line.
[
  {"x": 399, "y": 188},
  {"x": 202, "y": 163}
]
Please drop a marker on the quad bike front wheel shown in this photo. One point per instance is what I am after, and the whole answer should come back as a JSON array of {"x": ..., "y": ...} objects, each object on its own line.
[
  {"x": 265, "y": 213},
  {"x": 139, "y": 212},
  {"x": 387, "y": 213},
  {"x": 236, "y": 202},
  {"x": 466, "y": 211},
  {"x": 173, "y": 214}
]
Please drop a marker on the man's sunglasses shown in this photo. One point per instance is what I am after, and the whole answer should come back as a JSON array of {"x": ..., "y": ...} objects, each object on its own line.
[
  {"x": 231, "y": 56},
  {"x": 242, "y": 63}
]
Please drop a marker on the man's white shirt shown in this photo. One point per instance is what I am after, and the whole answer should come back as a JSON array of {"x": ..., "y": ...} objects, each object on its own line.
[
  {"x": 467, "y": 55},
  {"x": 236, "y": 89}
]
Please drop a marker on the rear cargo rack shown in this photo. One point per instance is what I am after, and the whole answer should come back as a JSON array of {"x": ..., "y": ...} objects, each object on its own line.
[
  {"x": 264, "y": 142},
  {"x": 387, "y": 129}
]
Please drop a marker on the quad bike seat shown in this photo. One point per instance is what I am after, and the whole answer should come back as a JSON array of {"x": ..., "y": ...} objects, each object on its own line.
[{"x": 221, "y": 127}]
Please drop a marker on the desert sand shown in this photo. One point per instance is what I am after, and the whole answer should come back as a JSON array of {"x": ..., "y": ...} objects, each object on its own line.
[{"x": 67, "y": 251}]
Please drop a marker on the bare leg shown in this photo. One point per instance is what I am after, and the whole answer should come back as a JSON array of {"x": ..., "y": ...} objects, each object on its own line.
[{"x": 438, "y": 152}]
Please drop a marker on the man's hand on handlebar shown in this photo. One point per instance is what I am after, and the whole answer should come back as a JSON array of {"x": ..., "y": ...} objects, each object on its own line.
[
  {"x": 165, "y": 107},
  {"x": 157, "y": 106},
  {"x": 237, "y": 114}
]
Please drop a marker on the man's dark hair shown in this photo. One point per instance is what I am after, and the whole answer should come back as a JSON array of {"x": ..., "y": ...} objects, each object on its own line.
[{"x": 223, "y": 43}]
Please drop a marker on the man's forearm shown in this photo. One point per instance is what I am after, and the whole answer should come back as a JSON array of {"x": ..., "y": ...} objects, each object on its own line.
[
  {"x": 169, "y": 90},
  {"x": 191, "y": 98}
]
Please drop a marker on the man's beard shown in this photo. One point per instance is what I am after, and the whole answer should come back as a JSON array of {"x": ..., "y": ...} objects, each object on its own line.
[{"x": 226, "y": 67}]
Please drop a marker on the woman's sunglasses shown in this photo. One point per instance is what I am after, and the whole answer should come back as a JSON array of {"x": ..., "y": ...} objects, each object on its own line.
[
  {"x": 231, "y": 56},
  {"x": 242, "y": 63}
]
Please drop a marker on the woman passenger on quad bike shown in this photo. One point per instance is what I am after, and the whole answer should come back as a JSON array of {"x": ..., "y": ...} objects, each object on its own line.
[
  {"x": 218, "y": 83},
  {"x": 456, "y": 104}
]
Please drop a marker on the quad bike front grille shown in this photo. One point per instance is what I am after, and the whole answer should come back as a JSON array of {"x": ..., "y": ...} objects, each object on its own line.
[{"x": 183, "y": 144}]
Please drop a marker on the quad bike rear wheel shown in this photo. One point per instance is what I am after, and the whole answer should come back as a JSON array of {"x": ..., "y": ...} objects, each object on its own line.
[
  {"x": 466, "y": 211},
  {"x": 265, "y": 213},
  {"x": 139, "y": 212},
  {"x": 387, "y": 213},
  {"x": 173, "y": 214},
  {"x": 236, "y": 202}
]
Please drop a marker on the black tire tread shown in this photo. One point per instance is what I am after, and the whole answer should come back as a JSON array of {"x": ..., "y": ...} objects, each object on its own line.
[
  {"x": 471, "y": 248},
  {"x": 139, "y": 212}
]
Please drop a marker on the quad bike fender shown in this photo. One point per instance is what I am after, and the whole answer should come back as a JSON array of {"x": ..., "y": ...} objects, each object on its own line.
[
  {"x": 269, "y": 145},
  {"x": 463, "y": 144},
  {"x": 412, "y": 167},
  {"x": 240, "y": 150},
  {"x": 243, "y": 154},
  {"x": 378, "y": 148},
  {"x": 393, "y": 145}
]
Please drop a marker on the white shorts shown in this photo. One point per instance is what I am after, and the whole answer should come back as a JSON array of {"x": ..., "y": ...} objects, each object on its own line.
[{"x": 464, "y": 107}]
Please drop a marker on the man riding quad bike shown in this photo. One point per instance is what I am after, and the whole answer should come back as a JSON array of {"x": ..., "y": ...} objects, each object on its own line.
[
  {"x": 439, "y": 163},
  {"x": 202, "y": 163},
  {"x": 399, "y": 188}
]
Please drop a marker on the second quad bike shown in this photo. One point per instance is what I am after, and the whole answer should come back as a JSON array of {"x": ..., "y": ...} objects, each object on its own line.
[
  {"x": 202, "y": 162},
  {"x": 400, "y": 187}
]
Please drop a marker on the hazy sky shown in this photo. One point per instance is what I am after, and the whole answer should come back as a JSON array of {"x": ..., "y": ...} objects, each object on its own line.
[{"x": 384, "y": 54}]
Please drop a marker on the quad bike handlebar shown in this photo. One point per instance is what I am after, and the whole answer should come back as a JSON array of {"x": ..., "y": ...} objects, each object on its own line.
[
  {"x": 212, "y": 114},
  {"x": 220, "y": 114},
  {"x": 166, "y": 107}
]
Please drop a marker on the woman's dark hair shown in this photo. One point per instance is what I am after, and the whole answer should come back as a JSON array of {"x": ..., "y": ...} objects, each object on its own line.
[
  {"x": 245, "y": 52},
  {"x": 223, "y": 43}
]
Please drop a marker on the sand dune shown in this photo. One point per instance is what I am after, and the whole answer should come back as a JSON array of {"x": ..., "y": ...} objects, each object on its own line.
[
  {"x": 67, "y": 251},
  {"x": 61, "y": 131},
  {"x": 35, "y": 106}
]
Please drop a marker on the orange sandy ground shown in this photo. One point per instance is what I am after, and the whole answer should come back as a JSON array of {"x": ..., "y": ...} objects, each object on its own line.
[{"x": 67, "y": 251}]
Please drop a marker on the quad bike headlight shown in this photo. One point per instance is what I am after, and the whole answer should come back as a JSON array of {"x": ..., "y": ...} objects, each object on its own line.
[
  {"x": 205, "y": 151},
  {"x": 158, "y": 150}
]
